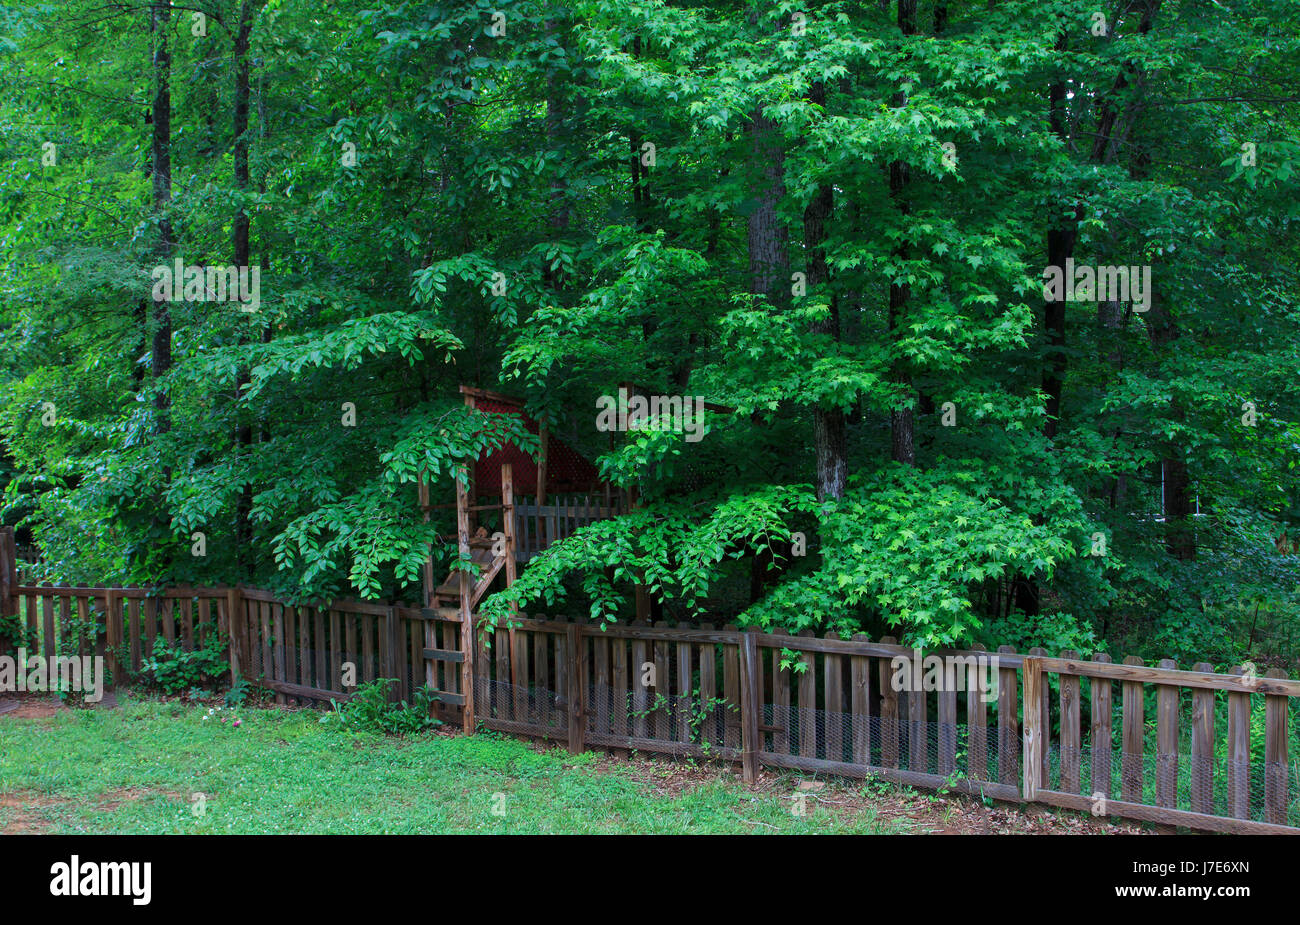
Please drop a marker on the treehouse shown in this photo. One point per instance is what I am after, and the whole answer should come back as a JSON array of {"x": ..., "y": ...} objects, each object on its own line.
[
  {"x": 531, "y": 504},
  {"x": 535, "y": 503}
]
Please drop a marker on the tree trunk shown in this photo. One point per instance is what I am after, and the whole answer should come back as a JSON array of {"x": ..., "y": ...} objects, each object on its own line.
[
  {"x": 769, "y": 262},
  {"x": 901, "y": 419},
  {"x": 161, "y": 347},
  {"x": 829, "y": 438},
  {"x": 242, "y": 254}
]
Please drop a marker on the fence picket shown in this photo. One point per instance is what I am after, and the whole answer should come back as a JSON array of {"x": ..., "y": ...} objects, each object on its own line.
[
  {"x": 683, "y": 706},
  {"x": 889, "y": 724},
  {"x": 1099, "y": 740},
  {"x": 1167, "y": 710},
  {"x": 833, "y": 700},
  {"x": 781, "y": 712},
  {"x": 1276, "y": 767},
  {"x": 808, "y": 702},
  {"x": 1202, "y": 770},
  {"x": 708, "y": 726},
  {"x": 640, "y": 691},
  {"x": 860, "y": 705},
  {"x": 1070, "y": 733},
  {"x": 731, "y": 691},
  {"x": 1008, "y": 722},
  {"x": 1131, "y": 761}
]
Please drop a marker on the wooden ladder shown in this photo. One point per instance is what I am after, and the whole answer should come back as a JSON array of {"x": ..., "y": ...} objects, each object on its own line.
[{"x": 445, "y": 607}]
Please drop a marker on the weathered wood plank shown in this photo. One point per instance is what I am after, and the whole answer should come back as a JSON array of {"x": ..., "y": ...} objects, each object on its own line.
[
  {"x": 1277, "y": 770},
  {"x": 1238, "y": 767},
  {"x": 833, "y": 703},
  {"x": 1202, "y": 769},
  {"x": 1032, "y": 731},
  {"x": 709, "y": 731},
  {"x": 660, "y": 718},
  {"x": 1100, "y": 734},
  {"x": 1132, "y": 766},
  {"x": 1167, "y": 710},
  {"x": 1008, "y": 719},
  {"x": 642, "y": 690},
  {"x": 750, "y": 707},
  {"x": 860, "y": 706},
  {"x": 808, "y": 702},
  {"x": 889, "y": 719},
  {"x": 731, "y": 720},
  {"x": 684, "y": 707},
  {"x": 1071, "y": 734},
  {"x": 977, "y": 732},
  {"x": 783, "y": 719}
]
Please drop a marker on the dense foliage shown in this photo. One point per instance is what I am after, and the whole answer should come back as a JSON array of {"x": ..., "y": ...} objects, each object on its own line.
[{"x": 833, "y": 218}]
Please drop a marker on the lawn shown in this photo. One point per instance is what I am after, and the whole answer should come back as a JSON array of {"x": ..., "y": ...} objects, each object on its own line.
[{"x": 139, "y": 769}]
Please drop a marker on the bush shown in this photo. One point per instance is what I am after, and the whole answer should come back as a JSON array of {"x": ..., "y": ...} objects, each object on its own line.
[
  {"x": 371, "y": 710},
  {"x": 173, "y": 670}
]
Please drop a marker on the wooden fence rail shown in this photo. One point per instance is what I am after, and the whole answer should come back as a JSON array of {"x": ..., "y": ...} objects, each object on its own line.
[{"x": 1193, "y": 748}]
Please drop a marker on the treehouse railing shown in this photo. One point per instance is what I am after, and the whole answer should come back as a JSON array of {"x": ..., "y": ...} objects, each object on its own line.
[{"x": 537, "y": 526}]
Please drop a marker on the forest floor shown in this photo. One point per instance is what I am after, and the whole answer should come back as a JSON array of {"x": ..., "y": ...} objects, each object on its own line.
[{"x": 157, "y": 766}]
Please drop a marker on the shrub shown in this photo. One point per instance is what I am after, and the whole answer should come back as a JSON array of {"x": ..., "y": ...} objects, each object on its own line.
[
  {"x": 371, "y": 710},
  {"x": 173, "y": 670}
]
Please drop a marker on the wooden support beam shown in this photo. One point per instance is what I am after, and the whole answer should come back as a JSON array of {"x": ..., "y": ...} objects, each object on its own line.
[
  {"x": 113, "y": 632},
  {"x": 466, "y": 607},
  {"x": 427, "y": 569},
  {"x": 236, "y": 630},
  {"x": 508, "y": 527}
]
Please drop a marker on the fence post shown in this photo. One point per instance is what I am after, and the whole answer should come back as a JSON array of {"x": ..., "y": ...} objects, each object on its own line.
[
  {"x": 235, "y": 631},
  {"x": 577, "y": 693},
  {"x": 8, "y": 573},
  {"x": 113, "y": 634},
  {"x": 1033, "y": 732},
  {"x": 749, "y": 707},
  {"x": 466, "y": 608},
  {"x": 395, "y": 691},
  {"x": 1277, "y": 768}
]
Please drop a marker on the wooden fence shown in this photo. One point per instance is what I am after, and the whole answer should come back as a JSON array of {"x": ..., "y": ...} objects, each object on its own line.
[
  {"x": 119, "y": 624},
  {"x": 1188, "y": 748},
  {"x": 537, "y": 526},
  {"x": 299, "y": 652},
  {"x": 1219, "y": 758},
  {"x": 418, "y": 648}
]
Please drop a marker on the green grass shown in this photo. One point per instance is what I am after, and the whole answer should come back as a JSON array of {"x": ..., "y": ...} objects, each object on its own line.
[{"x": 135, "y": 770}]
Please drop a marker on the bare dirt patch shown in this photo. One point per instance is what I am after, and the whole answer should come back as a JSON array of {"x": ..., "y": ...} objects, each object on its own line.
[
  {"x": 27, "y": 808},
  {"x": 25, "y": 820},
  {"x": 29, "y": 707},
  {"x": 912, "y": 811}
]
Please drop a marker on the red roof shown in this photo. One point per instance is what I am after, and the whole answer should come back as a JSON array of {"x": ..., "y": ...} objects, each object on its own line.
[{"x": 566, "y": 469}]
